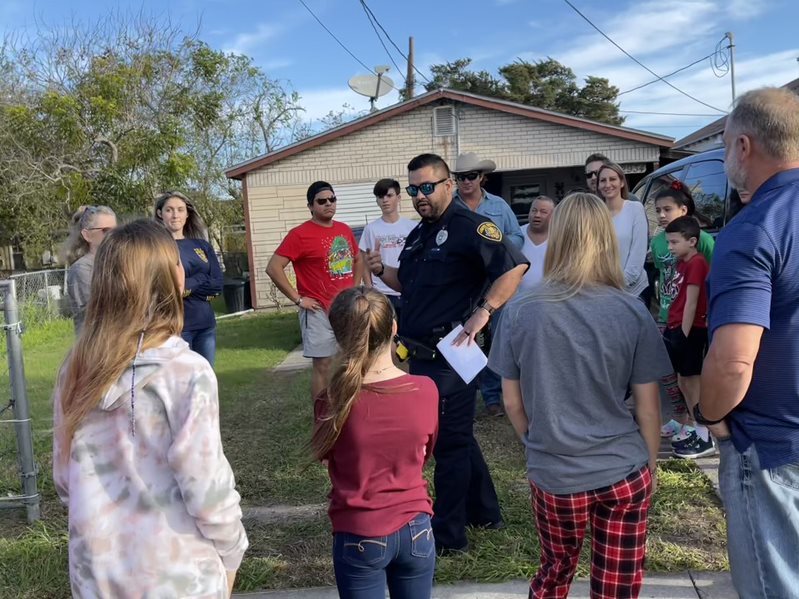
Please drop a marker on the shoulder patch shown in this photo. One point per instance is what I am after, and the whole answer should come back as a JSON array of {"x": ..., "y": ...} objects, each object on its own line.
[
  {"x": 201, "y": 254},
  {"x": 489, "y": 231}
]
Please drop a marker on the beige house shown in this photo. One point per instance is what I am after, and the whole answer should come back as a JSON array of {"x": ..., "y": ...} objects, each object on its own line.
[{"x": 536, "y": 151}]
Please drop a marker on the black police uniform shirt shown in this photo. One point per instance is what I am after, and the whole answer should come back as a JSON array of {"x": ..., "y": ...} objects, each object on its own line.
[{"x": 446, "y": 268}]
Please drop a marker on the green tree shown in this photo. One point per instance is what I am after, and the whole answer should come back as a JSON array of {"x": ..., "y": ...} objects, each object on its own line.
[
  {"x": 119, "y": 111},
  {"x": 456, "y": 75},
  {"x": 545, "y": 84}
]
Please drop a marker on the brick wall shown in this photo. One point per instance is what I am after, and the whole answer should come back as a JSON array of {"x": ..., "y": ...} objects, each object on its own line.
[{"x": 276, "y": 193}]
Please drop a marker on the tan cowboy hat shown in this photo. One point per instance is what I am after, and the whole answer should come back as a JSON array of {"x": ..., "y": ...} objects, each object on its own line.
[{"x": 470, "y": 162}]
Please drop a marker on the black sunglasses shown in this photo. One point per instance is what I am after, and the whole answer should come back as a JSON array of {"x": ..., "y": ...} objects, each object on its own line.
[
  {"x": 467, "y": 176},
  {"x": 323, "y": 201},
  {"x": 591, "y": 174},
  {"x": 425, "y": 188}
]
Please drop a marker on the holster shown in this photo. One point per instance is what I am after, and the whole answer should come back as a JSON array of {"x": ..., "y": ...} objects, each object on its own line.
[{"x": 418, "y": 350}]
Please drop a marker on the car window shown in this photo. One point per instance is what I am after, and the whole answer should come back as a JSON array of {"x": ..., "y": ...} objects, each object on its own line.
[
  {"x": 658, "y": 184},
  {"x": 708, "y": 184}
]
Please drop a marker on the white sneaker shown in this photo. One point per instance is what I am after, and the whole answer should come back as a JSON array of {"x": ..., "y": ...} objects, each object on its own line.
[{"x": 671, "y": 428}]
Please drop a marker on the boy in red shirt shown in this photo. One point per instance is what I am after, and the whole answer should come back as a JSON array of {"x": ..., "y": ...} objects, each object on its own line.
[
  {"x": 686, "y": 328},
  {"x": 326, "y": 260}
]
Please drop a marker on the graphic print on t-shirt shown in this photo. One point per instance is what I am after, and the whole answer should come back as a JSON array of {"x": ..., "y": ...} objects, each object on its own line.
[
  {"x": 339, "y": 257},
  {"x": 391, "y": 241},
  {"x": 671, "y": 280}
]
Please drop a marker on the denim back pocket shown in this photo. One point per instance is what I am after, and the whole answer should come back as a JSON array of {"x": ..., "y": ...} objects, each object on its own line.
[
  {"x": 422, "y": 541},
  {"x": 361, "y": 551},
  {"x": 786, "y": 476}
]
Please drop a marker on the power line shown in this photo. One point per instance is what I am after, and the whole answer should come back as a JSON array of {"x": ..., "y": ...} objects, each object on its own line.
[
  {"x": 396, "y": 47},
  {"x": 340, "y": 43},
  {"x": 638, "y": 62},
  {"x": 688, "y": 66},
  {"x": 669, "y": 113},
  {"x": 382, "y": 43}
]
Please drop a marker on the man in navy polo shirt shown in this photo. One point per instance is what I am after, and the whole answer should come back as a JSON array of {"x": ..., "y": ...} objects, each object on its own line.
[{"x": 751, "y": 373}]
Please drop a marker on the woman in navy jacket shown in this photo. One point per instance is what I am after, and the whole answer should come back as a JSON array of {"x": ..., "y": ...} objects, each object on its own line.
[{"x": 203, "y": 275}]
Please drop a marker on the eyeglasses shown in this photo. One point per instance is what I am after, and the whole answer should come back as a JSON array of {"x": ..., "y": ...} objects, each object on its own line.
[
  {"x": 467, "y": 176},
  {"x": 591, "y": 174},
  {"x": 103, "y": 229},
  {"x": 425, "y": 188},
  {"x": 323, "y": 201}
]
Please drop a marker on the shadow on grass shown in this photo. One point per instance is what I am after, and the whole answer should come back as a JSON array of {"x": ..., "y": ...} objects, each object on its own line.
[{"x": 273, "y": 331}]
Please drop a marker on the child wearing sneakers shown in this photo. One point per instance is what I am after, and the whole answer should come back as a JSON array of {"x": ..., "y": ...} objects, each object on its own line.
[
  {"x": 671, "y": 203},
  {"x": 686, "y": 328}
]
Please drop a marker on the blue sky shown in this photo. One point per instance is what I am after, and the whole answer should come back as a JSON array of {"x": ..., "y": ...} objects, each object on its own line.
[{"x": 666, "y": 35}]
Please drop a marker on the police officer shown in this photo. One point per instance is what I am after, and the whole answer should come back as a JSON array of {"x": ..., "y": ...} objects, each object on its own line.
[{"x": 456, "y": 268}]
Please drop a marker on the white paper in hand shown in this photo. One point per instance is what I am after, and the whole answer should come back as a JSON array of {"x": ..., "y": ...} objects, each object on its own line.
[{"x": 466, "y": 360}]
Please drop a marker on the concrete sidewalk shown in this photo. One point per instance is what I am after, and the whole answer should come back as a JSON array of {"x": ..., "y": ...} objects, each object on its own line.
[{"x": 686, "y": 585}]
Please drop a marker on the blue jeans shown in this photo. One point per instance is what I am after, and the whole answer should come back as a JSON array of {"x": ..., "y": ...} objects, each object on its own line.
[
  {"x": 490, "y": 384},
  {"x": 762, "y": 523},
  {"x": 203, "y": 342},
  {"x": 404, "y": 560}
]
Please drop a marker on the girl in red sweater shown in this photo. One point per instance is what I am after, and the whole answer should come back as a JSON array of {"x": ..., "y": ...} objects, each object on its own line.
[{"x": 376, "y": 427}]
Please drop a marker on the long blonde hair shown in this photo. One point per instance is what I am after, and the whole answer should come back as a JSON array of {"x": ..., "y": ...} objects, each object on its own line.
[
  {"x": 85, "y": 217},
  {"x": 135, "y": 294},
  {"x": 362, "y": 321},
  {"x": 582, "y": 250}
]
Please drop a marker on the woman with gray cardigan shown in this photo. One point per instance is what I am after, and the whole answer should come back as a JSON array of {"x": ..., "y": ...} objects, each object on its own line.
[
  {"x": 89, "y": 227},
  {"x": 629, "y": 220}
]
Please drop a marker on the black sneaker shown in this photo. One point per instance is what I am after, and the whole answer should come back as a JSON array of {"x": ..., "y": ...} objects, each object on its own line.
[
  {"x": 690, "y": 440},
  {"x": 696, "y": 448}
]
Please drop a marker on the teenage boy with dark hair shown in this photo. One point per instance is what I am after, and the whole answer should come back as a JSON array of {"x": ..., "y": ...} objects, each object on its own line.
[
  {"x": 686, "y": 329},
  {"x": 386, "y": 234}
]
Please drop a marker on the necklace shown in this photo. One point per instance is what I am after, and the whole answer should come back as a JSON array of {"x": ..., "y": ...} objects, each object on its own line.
[{"x": 379, "y": 370}]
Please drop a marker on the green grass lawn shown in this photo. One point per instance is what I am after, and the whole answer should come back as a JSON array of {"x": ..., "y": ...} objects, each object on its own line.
[
  {"x": 34, "y": 558},
  {"x": 266, "y": 421},
  {"x": 686, "y": 522}
]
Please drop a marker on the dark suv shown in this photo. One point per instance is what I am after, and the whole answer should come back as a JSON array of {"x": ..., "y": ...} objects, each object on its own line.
[{"x": 716, "y": 202}]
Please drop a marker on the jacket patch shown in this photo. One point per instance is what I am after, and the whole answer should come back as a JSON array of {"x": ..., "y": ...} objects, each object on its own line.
[
  {"x": 201, "y": 254},
  {"x": 489, "y": 231}
]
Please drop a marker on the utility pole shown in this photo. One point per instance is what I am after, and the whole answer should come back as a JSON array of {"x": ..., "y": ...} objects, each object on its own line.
[
  {"x": 409, "y": 80},
  {"x": 731, "y": 48}
]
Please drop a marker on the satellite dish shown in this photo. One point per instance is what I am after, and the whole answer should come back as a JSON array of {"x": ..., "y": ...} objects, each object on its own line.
[{"x": 372, "y": 86}]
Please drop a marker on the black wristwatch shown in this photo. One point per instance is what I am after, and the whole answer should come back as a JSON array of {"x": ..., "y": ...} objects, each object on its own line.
[
  {"x": 700, "y": 419},
  {"x": 382, "y": 270},
  {"x": 487, "y": 307}
]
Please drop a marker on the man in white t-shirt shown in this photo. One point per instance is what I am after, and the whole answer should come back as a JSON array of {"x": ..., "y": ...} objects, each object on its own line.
[
  {"x": 387, "y": 234},
  {"x": 536, "y": 234}
]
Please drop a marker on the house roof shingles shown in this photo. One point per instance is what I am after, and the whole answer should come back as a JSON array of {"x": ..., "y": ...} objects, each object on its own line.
[{"x": 238, "y": 171}]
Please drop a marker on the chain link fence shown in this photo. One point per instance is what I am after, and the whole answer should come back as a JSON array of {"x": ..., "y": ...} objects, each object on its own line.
[
  {"x": 17, "y": 467},
  {"x": 42, "y": 296}
]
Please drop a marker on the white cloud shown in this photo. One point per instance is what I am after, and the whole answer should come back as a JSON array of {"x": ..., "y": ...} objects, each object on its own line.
[
  {"x": 245, "y": 43},
  {"x": 774, "y": 69},
  {"x": 276, "y": 64},
  {"x": 643, "y": 30},
  {"x": 746, "y": 9}
]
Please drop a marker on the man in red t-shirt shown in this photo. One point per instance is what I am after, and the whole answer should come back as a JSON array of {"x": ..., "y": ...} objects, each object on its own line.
[
  {"x": 326, "y": 260},
  {"x": 686, "y": 328}
]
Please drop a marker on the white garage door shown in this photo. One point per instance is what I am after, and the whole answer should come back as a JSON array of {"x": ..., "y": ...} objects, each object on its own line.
[{"x": 355, "y": 204}]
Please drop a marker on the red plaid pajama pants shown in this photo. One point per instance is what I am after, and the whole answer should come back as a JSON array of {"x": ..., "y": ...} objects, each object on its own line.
[{"x": 617, "y": 515}]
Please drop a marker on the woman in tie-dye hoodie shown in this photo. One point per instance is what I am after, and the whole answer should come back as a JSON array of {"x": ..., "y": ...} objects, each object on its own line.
[{"x": 137, "y": 454}]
